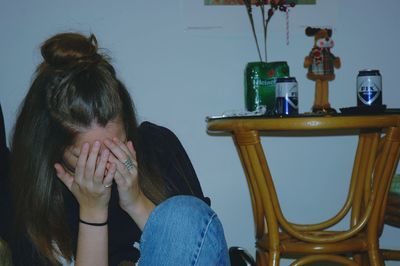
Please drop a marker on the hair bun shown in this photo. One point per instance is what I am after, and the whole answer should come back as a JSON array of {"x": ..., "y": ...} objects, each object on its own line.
[{"x": 68, "y": 49}]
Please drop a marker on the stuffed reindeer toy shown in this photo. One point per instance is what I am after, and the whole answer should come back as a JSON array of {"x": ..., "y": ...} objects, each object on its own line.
[{"x": 321, "y": 63}]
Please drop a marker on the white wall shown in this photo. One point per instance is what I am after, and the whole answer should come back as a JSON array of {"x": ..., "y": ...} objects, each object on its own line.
[{"x": 183, "y": 61}]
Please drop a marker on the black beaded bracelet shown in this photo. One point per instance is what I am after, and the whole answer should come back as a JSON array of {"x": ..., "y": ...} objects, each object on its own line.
[{"x": 93, "y": 224}]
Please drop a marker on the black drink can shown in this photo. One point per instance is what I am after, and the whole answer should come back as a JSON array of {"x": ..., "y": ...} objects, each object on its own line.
[
  {"x": 286, "y": 96},
  {"x": 369, "y": 88}
]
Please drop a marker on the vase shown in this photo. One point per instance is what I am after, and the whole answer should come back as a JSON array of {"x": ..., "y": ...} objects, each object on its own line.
[{"x": 259, "y": 83}]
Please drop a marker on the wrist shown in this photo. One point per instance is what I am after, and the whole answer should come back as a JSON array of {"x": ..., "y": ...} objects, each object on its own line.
[
  {"x": 93, "y": 224},
  {"x": 93, "y": 215},
  {"x": 135, "y": 204},
  {"x": 140, "y": 211}
]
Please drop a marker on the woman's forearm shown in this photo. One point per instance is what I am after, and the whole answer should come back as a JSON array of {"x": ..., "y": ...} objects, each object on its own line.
[
  {"x": 92, "y": 245},
  {"x": 140, "y": 210}
]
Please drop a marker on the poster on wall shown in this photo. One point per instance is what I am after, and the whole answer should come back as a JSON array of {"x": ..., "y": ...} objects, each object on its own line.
[{"x": 240, "y": 2}]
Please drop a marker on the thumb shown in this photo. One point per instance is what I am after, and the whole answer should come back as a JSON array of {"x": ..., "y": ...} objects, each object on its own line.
[{"x": 66, "y": 178}]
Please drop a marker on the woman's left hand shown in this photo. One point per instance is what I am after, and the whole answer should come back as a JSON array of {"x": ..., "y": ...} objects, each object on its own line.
[
  {"x": 126, "y": 177},
  {"x": 131, "y": 198}
]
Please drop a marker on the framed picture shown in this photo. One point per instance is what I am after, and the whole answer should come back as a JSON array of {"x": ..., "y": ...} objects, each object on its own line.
[{"x": 240, "y": 2}]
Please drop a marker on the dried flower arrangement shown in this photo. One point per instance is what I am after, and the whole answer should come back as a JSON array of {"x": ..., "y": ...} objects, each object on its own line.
[{"x": 275, "y": 5}]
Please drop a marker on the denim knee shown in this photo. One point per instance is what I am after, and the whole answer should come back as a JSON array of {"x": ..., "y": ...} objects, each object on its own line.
[{"x": 183, "y": 230}]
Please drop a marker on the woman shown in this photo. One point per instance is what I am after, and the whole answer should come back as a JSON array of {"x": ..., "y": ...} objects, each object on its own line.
[{"x": 86, "y": 178}]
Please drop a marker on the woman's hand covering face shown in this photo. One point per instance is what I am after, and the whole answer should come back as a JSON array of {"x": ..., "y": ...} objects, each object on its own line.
[
  {"x": 126, "y": 177},
  {"x": 90, "y": 179}
]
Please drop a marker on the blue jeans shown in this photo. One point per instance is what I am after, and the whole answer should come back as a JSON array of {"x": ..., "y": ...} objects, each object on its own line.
[{"x": 183, "y": 230}]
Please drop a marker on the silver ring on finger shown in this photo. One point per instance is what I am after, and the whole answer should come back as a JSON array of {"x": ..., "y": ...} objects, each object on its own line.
[
  {"x": 129, "y": 164},
  {"x": 108, "y": 185}
]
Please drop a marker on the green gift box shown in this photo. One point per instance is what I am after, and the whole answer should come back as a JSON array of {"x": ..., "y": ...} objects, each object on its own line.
[{"x": 260, "y": 79}]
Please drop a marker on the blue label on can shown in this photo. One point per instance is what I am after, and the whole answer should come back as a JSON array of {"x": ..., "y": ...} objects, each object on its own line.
[
  {"x": 287, "y": 105},
  {"x": 368, "y": 94}
]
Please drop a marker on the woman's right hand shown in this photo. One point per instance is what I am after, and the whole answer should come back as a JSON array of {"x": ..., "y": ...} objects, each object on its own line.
[{"x": 89, "y": 183}]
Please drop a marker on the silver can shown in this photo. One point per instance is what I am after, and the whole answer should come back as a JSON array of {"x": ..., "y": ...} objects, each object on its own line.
[{"x": 369, "y": 88}]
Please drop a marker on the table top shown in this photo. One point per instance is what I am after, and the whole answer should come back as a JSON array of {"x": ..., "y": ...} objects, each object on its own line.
[{"x": 303, "y": 122}]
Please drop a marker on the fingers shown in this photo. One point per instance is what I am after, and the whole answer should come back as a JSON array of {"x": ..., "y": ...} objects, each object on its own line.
[
  {"x": 119, "y": 179},
  {"x": 66, "y": 178},
  {"x": 118, "y": 164},
  {"x": 111, "y": 173},
  {"x": 121, "y": 145},
  {"x": 101, "y": 167},
  {"x": 92, "y": 164},
  {"x": 117, "y": 149},
  {"x": 70, "y": 161},
  {"x": 119, "y": 156},
  {"x": 121, "y": 168},
  {"x": 91, "y": 161},
  {"x": 131, "y": 149},
  {"x": 122, "y": 153},
  {"x": 81, "y": 164}
]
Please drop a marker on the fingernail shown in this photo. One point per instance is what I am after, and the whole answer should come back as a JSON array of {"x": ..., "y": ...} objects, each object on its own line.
[
  {"x": 85, "y": 146},
  {"x": 97, "y": 144}
]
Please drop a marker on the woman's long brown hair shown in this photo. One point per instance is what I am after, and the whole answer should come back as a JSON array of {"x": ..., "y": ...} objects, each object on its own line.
[{"x": 73, "y": 87}]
